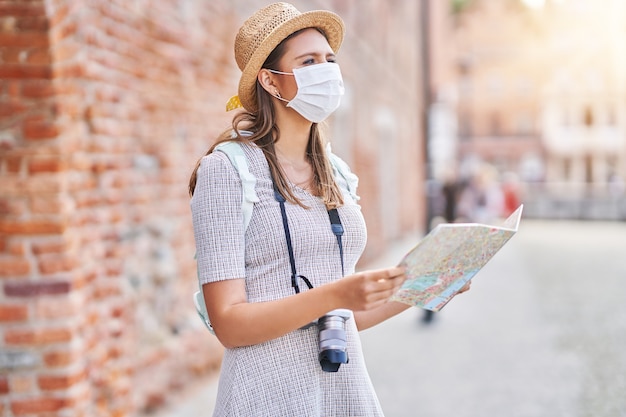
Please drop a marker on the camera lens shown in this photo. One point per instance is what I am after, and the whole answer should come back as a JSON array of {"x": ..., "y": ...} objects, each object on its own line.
[{"x": 332, "y": 345}]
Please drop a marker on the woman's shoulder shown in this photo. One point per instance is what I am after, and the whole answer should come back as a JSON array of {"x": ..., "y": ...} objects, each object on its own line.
[
  {"x": 233, "y": 156},
  {"x": 255, "y": 157}
]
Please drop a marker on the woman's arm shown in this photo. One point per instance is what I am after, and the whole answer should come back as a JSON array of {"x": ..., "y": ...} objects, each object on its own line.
[
  {"x": 370, "y": 318},
  {"x": 239, "y": 323}
]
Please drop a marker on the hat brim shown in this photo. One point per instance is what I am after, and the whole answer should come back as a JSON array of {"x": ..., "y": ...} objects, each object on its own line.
[{"x": 330, "y": 23}]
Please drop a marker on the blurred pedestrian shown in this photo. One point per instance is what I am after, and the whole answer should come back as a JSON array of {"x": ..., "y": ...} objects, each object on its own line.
[
  {"x": 449, "y": 194},
  {"x": 450, "y": 191},
  {"x": 511, "y": 193},
  {"x": 251, "y": 276}
]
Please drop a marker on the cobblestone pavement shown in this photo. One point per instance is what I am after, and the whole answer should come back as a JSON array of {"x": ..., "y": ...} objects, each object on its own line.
[{"x": 542, "y": 333}]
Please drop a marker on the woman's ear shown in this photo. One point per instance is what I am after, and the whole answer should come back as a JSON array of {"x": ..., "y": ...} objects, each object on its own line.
[{"x": 267, "y": 82}]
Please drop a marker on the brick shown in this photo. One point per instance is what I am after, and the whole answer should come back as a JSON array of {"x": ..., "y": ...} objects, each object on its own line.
[
  {"x": 87, "y": 200},
  {"x": 14, "y": 88},
  {"x": 46, "y": 164},
  {"x": 72, "y": 70},
  {"x": 13, "y": 163},
  {"x": 39, "y": 128},
  {"x": 13, "y": 55},
  {"x": 13, "y": 206},
  {"x": 49, "y": 308},
  {"x": 25, "y": 71},
  {"x": 21, "y": 9},
  {"x": 38, "y": 405},
  {"x": 46, "y": 204},
  {"x": 4, "y": 385},
  {"x": 14, "y": 186},
  {"x": 22, "y": 383},
  {"x": 53, "y": 245},
  {"x": 71, "y": 108},
  {"x": 37, "y": 89},
  {"x": 60, "y": 382},
  {"x": 36, "y": 337},
  {"x": 101, "y": 292},
  {"x": 50, "y": 184},
  {"x": 12, "y": 266},
  {"x": 36, "y": 289},
  {"x": 66, "y": 50},
  {"x": 55, "y": 263},
  {"x": 13, "y": 312},
  {"x": 40, "y": 56},
  {"x": 39, "y": 24},
  {"x": 16, "y": 248},
  {"x": 32, "y": 227},
  {"x": 60, "y": 358},
  {"x": 11, "y": 108},
  {"x": 24, "y": 39}
]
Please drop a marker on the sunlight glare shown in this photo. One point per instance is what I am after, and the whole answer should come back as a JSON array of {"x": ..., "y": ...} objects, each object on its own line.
[{"x": 535, "y": 4}]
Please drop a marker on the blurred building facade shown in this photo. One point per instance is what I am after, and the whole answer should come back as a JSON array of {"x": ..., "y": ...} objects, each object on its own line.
[
  {"x": 584, "y": 104},
  {"x": 105, "y": 107},
  {"x": 540, "y": 94}
]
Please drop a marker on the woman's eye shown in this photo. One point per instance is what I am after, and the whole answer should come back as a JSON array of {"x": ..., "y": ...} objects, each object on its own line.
[{"x": 309, "y": 61}]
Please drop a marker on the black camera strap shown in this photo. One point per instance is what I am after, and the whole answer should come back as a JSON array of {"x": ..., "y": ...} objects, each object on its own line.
[
  {"x": 337, "y": 228},
  {"x": 335, "y": 225}
]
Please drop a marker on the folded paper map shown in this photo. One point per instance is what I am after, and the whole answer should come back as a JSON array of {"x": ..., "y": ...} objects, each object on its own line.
[{"x": 448, "y": 257}]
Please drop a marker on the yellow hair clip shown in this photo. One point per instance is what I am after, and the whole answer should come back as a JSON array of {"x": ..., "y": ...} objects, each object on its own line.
[{"x": 233, "y": 103}]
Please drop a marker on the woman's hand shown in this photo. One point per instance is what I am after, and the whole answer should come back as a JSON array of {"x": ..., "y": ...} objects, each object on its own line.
[
  {"x": 369, "y": 289},
  {"x": 466, "y": 287}
]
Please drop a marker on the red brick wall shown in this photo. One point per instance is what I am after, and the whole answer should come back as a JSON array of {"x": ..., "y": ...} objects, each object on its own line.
[{"x": 104, "y": 108}]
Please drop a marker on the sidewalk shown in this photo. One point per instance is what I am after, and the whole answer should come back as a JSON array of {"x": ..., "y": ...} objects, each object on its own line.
[{"x": 197, "y": 400}]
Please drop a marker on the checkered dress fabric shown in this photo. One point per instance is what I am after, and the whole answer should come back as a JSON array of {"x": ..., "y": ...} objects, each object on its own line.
[{"x": 281, "y": 377}]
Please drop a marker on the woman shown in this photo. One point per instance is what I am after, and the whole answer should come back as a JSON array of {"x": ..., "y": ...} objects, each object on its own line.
[{"x": 290, "y": 82}]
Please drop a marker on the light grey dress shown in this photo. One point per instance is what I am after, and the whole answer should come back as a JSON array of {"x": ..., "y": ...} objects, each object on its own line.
[{"x": 281, "y": 377}]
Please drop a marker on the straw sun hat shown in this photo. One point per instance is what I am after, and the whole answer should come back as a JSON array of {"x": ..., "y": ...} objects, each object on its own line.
[{"x": 264, "y": 30}]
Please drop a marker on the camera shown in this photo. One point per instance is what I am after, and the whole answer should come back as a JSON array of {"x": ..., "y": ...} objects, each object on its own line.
[{"x": 333, "y": 349}]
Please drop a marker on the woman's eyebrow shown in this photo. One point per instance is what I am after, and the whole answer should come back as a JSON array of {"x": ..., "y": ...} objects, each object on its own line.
[{"x": 331, "y": 55}]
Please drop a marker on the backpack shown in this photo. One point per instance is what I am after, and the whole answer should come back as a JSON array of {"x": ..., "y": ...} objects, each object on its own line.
[{"x": 238, "y": 159}]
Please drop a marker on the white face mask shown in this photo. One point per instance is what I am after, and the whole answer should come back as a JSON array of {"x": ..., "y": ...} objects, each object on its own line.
[{"x": 320, "y": 88}]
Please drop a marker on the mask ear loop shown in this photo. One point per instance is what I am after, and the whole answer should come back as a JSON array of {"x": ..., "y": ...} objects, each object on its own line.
[
  {"x": 279, "y": 72},
  {"x": 276, "y": 93}
]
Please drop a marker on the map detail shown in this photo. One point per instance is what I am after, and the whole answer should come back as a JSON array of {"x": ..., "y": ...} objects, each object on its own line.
[{"x": 448, "y": 257}]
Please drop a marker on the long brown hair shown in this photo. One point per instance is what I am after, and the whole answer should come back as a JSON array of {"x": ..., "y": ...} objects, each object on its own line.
[{"x": 265, "y": 134}]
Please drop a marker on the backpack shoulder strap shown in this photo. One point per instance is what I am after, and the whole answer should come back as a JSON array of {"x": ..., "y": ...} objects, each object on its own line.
[
  {"x": 239, "y": 160},
  {"x": 342, "y": 170}
]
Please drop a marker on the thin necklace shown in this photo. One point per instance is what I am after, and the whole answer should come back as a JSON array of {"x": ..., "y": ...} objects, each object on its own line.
[{"x": 308, "y": 184}]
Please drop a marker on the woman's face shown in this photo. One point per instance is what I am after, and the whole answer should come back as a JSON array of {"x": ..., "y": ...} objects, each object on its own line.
[{"x": 308, "y": 47}]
